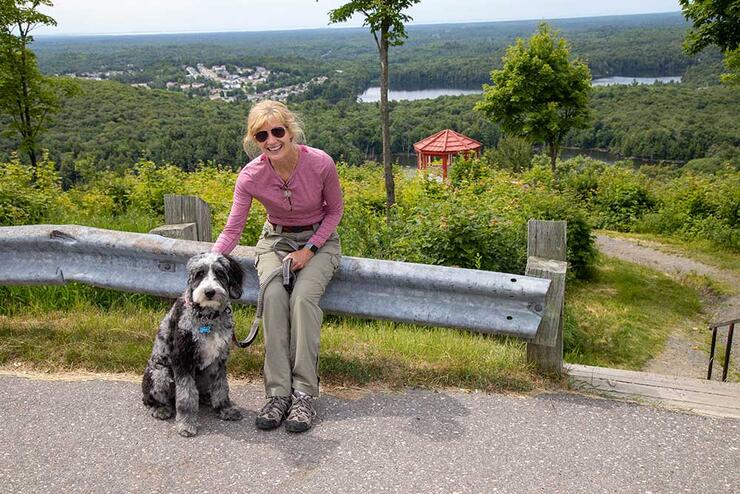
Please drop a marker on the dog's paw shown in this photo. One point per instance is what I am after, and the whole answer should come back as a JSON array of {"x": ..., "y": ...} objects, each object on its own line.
[
  {"x": 231, "y": 413},
  {"x": 187, "y": 430},
  {"x": 162, "y": 412}
]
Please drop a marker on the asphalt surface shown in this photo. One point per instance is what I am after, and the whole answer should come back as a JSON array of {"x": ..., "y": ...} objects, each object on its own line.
[{"x": 96, "y": 436}]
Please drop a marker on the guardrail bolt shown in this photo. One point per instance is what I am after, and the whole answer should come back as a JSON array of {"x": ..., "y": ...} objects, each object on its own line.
[{"x": 167, "y": 266}]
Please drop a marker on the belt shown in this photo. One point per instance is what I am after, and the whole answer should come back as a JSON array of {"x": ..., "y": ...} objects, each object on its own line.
[{"x": 291, "y": 229}]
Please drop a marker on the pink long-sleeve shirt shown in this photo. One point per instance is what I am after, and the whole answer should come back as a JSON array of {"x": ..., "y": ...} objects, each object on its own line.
[{"x": 311, "y": 195}]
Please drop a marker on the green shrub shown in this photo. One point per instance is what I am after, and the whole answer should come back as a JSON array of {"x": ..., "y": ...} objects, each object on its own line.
[
  {"x": 581, "y": 249},
  {"x": 477, "y": 221},
  {"x": 363, "y": 229},
  {"x": 152, "y": 183},
  {"x": 621, "y": 199},
  {"x": 461, "y": 228},
  {"x": 512, "y": 153},
  {"x": 468, "y": 170},
  {"x": 719, "y": 158},
  {"x": 483, "y": 224},
  {"x": 28, "y": 194},
  {"x": 579, "y": 176},
  {"x": 699, "y": 206}
]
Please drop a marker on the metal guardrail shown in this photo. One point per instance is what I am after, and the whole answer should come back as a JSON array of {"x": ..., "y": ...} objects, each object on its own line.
[{"x": 481, "y": 301}]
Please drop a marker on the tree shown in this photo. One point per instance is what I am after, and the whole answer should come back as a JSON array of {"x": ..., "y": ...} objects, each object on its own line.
[
  {"x": 715, "y": 22},
  {"x": 27, "y": 98},
  {"x": 386, "y": 21},
  {"x": 732, "y": 63},
  {"x": 539, "y": 94}
]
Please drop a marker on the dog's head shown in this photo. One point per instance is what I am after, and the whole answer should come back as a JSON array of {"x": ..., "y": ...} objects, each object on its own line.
[{"x": 213, "y": 279}]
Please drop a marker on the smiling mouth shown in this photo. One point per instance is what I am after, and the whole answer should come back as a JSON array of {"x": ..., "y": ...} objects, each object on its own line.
[{"x": 275, "y": 148}]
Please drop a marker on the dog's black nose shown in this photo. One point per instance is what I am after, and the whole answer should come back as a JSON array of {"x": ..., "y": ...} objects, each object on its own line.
[{"x": 210, "y": 293}]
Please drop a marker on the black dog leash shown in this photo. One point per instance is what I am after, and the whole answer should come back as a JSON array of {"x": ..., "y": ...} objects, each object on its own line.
[{"x": 288, "y": 280}]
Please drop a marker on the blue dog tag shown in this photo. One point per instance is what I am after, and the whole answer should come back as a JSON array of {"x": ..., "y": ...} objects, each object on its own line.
[{"x": 205, "y": 329}]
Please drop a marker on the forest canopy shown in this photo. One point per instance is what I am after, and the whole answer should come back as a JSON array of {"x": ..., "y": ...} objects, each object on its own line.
[{"x": 111, "y": 125}]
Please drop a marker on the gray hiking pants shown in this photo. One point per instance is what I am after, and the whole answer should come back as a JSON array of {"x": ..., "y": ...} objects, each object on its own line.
[{"x": 292, "y": 321}]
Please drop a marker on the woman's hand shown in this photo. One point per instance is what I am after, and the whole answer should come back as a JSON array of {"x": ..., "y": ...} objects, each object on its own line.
[{"x": 300, "y": 258}]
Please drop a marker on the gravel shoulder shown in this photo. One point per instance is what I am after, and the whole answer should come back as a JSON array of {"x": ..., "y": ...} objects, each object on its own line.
[{"x": 685, "y": 351}]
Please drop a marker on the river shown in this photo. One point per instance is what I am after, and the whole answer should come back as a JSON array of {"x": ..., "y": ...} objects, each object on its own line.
[{"x": 409, "y": 159}]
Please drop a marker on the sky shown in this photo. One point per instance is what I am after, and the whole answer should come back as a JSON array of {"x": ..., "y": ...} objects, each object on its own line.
[{"x": 178, "y": 16}]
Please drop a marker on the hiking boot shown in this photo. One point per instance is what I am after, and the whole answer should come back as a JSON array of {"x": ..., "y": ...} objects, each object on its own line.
[
  {"x": 273, "y": 413},
  {"x": 302, "y": 412}
]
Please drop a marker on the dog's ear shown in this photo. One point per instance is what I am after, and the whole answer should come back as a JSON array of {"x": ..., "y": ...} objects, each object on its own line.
[
  {"x": 190, "y": 269},
  {"x": 236, "y": 278}
]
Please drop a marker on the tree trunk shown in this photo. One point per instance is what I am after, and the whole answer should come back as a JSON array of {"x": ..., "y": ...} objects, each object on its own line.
[
  {"x": 32, "y": 158},
  {"x": 390, "y": 189},
  {"x": 554, "y": 149},
  {"x": 27, "y": 133}
]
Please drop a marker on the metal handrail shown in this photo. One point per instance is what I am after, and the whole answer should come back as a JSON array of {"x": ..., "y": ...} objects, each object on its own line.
[
  {"x": 723, "y": 324},
  {"x": 476, "y": 300},
  {"x": 728, "y": 348}
]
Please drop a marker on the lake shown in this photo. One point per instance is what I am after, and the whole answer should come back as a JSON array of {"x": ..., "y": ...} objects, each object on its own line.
[{"x": 372, "y": 94}]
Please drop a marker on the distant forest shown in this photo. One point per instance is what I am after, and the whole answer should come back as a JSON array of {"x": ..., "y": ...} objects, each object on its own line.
[
  {"x": 112, "y": 125},
  {"x": 447, "y": 55}
]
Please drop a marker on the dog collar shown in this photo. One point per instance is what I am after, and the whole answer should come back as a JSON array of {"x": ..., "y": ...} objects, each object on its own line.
[
  {"x": 207, "y": 326},
  {"x": 204, "y": 327}
]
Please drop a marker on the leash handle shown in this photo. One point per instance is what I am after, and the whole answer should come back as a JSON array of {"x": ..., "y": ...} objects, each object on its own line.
[{"x": 286, "y": 272}]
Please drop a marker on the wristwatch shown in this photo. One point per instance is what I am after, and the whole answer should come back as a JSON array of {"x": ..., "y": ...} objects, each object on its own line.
[{"x": 312, "y": 247}]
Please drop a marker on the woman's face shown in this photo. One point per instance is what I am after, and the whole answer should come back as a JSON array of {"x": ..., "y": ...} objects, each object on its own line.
[{"x": 274, "y": 139}]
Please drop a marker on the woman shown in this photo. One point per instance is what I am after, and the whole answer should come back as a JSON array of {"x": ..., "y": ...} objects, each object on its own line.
[{"x": 299, "y": 187}]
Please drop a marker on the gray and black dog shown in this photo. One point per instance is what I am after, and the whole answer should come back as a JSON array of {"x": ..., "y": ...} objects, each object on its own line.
[{"x": 188, "y": 362}]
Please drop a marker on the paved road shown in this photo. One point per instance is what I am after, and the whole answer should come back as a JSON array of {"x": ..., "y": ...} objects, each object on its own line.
[{"x": 95, "y": 436}]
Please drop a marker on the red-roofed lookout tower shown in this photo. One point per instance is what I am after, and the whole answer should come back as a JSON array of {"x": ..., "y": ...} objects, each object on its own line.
[{"x": 444, "y": 145}]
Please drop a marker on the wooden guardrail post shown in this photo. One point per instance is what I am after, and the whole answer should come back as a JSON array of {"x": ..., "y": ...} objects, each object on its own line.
[
  {"x": 546, "y": 258},
  {"x": 186, "y": 218}
]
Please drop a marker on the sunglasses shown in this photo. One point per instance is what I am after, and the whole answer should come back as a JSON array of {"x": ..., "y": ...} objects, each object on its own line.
[{"x": 262, "y": 135}]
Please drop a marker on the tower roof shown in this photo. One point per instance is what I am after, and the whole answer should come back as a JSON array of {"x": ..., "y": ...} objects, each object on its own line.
[{"x": 446, "y": 141}]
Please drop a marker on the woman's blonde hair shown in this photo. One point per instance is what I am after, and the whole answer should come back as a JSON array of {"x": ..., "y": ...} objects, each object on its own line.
[{"x": 270, "y": 110}]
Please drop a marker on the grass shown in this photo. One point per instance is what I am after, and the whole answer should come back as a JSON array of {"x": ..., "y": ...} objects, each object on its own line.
[
  {"x": 619, "y": 319},
  {"x": 81, "y": 328},
  {"x": 622, "y": 317}
]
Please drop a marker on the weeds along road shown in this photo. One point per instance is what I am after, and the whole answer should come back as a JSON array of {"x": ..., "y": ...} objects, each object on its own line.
[{"x": 95, "y": 436}]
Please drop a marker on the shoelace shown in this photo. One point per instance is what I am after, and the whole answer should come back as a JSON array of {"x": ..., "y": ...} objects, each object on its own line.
[
  {"x": 302, "y": 406},
  {"x": 276, "y": 403}
]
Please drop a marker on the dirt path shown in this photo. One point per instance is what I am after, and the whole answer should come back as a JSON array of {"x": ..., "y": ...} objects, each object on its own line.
[{"x": 685, "y": 351}]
